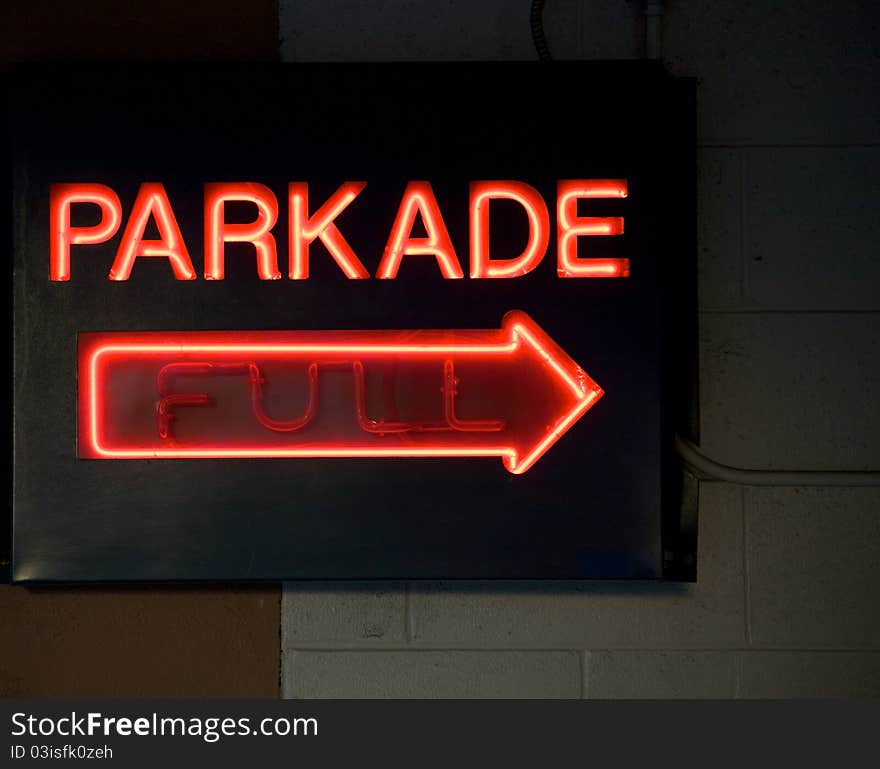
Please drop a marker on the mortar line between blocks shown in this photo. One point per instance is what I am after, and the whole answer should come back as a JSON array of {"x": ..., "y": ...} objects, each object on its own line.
[
  {"x": 409, "y": 632},
  {"x": 342, "y": 646},
  {"x": 747, "y": 583},
  {"x": 734, "y": 144},
  {"x": 281, "y": 662},
  {"x": 585, "y": 673},
  {"x": 737, "y": 675},
  {"x": 790, "y": 311},
  {"x": 287, "y": 679},
  {"x": 581, "y": 27},
  {"x": 743, "y": 214}
]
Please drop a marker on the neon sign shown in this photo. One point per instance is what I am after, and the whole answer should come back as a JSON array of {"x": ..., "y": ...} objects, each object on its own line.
[
  {"x": 418, "y": 201},
  {"x": 290, "y": 341},
  {"x": 510, "y": 392}
]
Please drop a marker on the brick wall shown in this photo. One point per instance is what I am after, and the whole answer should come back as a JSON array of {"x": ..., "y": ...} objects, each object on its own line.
[{"x": 786, "y": 603}]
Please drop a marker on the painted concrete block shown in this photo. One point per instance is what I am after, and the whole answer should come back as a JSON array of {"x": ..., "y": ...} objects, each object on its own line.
[
  {"x": 813, "y": 568},
  {"x": 342, "y": 613},
  {"x": 602, "y": 29},
  {"x": 708, "y": 614},
  {"x": 432, "y": 674},
  {"x": 660, "y": 675},
  {"x": 788, "y": 73},
  {"x": 391, "y": 30},
  {"x": 770, "y": 674},
  {"x": 719, "y": 227},
  {"x": 772, "y": 73},
  {"x": 791, "y": 391},
  {"x": 811, "y": 228},
  {"x": 139, "y": 641}
]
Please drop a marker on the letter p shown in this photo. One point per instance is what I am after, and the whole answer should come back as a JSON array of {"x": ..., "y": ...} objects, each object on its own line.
[{"x": 62, "y": 235}]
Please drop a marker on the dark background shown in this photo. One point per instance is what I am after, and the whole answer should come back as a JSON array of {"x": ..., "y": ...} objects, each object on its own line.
[
  {"x": 148, "y": 640},
  {"x": 590, "y": 509}
]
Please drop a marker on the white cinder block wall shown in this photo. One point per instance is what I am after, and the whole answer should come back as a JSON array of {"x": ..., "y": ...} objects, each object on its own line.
[{"x": 788, "y": 597}]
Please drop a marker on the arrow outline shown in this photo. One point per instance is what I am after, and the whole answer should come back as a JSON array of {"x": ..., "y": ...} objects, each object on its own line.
[{"x": 516, "y": 324}]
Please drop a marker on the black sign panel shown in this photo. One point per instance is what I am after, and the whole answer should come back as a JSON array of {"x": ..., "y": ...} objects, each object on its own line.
[{"x": 338, "y": 321}]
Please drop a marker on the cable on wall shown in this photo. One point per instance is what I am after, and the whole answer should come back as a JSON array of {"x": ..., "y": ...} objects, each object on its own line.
[
  {"x": 538, "y": 39},
  {"x": 706, "y": 466}
]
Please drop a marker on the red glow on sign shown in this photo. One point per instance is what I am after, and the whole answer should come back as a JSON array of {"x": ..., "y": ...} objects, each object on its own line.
[
  {"x": 218, "y": 232},
  {"x": 152, "y": 201},
  {"x": 510, "y": 392},
  {"x": 570, "y": 227},
  {"x": 418, "y": 200},
  {"x": 482, "y": 265},
  {"x": 304, "y": 229},
  {"x": 62, "y": 235}
]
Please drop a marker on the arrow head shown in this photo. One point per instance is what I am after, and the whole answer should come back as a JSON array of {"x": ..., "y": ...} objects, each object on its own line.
[{"x": 567, "y": 392}]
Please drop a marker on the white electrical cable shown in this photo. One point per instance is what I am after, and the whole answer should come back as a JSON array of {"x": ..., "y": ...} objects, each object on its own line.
[{"x": 705, "y": 465}]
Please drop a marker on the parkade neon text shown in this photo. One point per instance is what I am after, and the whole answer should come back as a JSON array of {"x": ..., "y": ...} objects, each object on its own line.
[{"x": 311, "y": 220}]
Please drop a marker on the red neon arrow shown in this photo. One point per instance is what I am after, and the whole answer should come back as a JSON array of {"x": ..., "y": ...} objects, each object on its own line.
[{"x": 509, "y": 392}]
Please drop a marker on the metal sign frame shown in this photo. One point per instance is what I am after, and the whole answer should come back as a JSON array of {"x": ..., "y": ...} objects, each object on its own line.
[{"x": 603, "y": 502}]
